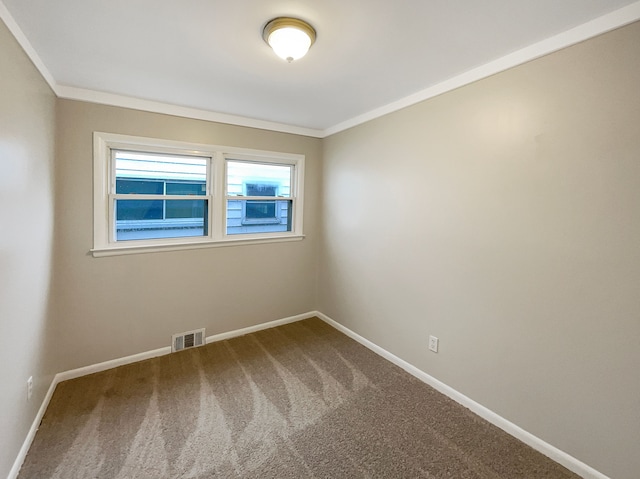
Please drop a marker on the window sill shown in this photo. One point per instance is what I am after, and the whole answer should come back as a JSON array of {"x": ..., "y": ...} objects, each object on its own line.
[{"x": 157, "y": 248}]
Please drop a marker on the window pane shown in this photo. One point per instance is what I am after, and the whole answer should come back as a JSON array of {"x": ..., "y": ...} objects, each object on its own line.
[
  {"x": 139, "y": 187},
  {"x": 186, "y": 188},
  {"x": 147, "y": 173},
  {"x": 144, "y": 219},
  {"x": 260, "y": 209},
  {"x": 246, "y": 178},
  {"x": 184, "y": 209},
  {"x": 139, "y": 210},
  {"x": 250, "y": 216}
]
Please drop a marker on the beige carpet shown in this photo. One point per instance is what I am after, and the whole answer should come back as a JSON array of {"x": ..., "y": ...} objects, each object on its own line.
[{"x": 297, "y": 401}]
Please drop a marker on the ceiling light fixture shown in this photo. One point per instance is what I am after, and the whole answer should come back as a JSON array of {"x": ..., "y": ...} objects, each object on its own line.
[{"x": 290, "y": 38}]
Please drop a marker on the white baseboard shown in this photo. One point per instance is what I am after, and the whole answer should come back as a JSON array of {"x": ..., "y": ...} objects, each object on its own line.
[
  {"x": 561, "y": 457},
  {"x": 535, "y": 442},
  {"x": 13, "y": 473},
  {"x": 260, "y": 327},
  {"x": 96, "y": 368}
]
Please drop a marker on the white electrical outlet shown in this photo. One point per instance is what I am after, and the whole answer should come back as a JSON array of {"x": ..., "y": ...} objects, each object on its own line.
[
  {"x": 433, "y": 344},
  {"x": 29, "y": 388}
]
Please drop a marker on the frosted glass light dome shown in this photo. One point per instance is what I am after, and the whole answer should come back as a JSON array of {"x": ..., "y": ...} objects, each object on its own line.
[{"x": 290, "y": 38}]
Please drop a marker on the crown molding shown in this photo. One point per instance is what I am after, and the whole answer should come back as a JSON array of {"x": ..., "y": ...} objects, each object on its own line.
[
  {"x": 111, "y": 99},
  {"x": 595, "y": 27},
  {"x": 22, "y": 40}
]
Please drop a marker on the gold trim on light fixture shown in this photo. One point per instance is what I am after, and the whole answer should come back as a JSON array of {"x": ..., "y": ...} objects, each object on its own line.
[{"x": 295, "y": 26}]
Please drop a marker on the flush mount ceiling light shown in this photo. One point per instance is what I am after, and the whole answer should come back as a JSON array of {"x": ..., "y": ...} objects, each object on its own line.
[{"x": 290, "y": 38}]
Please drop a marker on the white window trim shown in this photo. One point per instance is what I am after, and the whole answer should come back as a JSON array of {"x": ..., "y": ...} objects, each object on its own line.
[{"x": 105, "y": 245}]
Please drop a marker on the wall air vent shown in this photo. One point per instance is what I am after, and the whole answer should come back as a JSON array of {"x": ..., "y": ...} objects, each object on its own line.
[{"x": 187, "y": 340}]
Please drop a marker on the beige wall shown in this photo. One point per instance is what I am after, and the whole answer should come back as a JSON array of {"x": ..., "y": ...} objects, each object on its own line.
[
  {"x": 117, "y": 306},
  {"x": 504, "y": 218},
  {"x": 26, "y": 237}
]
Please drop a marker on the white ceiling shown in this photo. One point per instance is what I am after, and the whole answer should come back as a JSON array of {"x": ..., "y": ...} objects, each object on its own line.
[{"x": 371, "y": 56}]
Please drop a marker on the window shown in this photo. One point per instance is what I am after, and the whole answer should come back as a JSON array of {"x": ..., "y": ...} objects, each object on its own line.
[
  {"x": 159, "y": 195},
  {"x": 252, "y": 189},
  {"x": 152, "y": 195}
]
